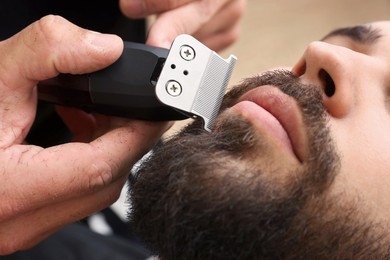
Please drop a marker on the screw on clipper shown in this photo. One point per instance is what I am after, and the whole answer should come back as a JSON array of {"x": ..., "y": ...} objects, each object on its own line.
[
  {"x": 173, "y": 88},
  {"x": 197, "y": 91},
  {"x": 187, "y": 52}
]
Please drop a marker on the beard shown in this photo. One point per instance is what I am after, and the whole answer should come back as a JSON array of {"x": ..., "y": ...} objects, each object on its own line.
[{"x": 218, "y": 195}]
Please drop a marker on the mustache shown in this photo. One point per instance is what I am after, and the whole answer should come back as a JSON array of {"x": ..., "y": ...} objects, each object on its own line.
[{"x": 309, "y": 97}]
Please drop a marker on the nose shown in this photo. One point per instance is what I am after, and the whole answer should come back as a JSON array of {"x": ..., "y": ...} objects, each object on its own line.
[{"x": 331, "y": 68}]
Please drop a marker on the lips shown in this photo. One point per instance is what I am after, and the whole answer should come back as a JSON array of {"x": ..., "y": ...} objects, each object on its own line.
[{"x": 277, "y": 115}]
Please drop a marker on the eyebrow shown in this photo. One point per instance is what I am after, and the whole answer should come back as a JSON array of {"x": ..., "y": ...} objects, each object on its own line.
[{"x": 363, "y": 34}]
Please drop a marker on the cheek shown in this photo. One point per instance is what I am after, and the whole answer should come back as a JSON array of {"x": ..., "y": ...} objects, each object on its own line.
[
  {"x": 365, "y": 161},
  {"x": 363, "y": 136}
]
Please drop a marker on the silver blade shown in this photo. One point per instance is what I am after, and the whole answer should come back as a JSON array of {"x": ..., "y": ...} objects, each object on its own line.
[{"x": 194, "y": 79}]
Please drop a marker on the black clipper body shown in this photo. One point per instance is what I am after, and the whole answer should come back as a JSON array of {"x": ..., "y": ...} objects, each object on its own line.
[{"x": 149, "y": 83}]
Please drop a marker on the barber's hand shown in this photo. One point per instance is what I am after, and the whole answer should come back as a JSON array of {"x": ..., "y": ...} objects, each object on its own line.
[
  {"x": 45, "y": 189},
  {"x": 214, "y": 22}
]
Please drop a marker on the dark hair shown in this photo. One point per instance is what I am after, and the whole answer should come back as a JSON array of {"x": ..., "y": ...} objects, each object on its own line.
[
  {"x": 205, "y": 195},
  {"x": 364, "y": 34}
]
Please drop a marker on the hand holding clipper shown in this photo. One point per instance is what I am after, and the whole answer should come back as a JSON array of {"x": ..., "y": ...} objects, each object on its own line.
[{"x": 150, "y": 83}]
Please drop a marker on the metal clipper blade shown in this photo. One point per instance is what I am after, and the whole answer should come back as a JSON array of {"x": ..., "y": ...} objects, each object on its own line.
[{"x": 194, "y": 79}]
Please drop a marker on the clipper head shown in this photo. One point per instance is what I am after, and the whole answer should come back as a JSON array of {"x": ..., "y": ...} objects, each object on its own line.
[{"x": 194, "y": 79}]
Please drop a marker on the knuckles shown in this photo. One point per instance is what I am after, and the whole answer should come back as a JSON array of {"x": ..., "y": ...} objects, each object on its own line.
[
  {"x": 103, "y": 176},
  {"x": 50, "y": 29},
  {"x": 100, "y": 174}
]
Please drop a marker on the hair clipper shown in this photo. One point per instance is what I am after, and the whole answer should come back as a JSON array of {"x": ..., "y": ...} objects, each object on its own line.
[{"x": 149, "y": 83}]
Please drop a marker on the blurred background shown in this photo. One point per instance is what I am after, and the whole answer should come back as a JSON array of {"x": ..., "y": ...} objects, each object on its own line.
[{"x": 276, "y": 32}]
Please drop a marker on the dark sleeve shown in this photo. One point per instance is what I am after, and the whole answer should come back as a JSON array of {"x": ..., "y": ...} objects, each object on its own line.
[{"x": 77, "y": 242}]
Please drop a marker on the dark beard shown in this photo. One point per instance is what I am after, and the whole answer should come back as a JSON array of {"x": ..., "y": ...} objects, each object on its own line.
[{"x": 199, "y": 196}]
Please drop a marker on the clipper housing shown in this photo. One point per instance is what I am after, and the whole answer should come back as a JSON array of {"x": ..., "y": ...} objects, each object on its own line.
[{"x": 149, "y": 83}]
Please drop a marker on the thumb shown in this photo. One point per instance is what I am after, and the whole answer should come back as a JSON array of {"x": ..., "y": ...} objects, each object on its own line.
[
  {"x": 47, "y": 47},
  {"x": 53, "y": 45}
]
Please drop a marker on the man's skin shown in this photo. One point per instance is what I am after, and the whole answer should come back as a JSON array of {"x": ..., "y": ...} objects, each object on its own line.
[{"x": 295, "y": 167}]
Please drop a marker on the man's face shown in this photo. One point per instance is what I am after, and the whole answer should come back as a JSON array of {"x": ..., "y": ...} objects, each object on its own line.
[
  {"x": 296, "y": 165},
  {"x": 359, "y": 109}
]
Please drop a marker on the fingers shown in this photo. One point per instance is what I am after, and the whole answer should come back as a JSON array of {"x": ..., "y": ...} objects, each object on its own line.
[
  {"x": 214, "y": 22},
  {"x": 80, "y": 177},
  {"x": 186, "y": 19},
  {"x": 53, "y": 45},
  {"x": 81, "y": 124},
  {"x": 16, "y": 235},
  {"x": 226, "y": 21},
  {"x": 142, "y": 8},
  {"x": 221, "y": 40},
  {"x": 203, "y": 19},
  {"x": 62, "y": 172},
  {"x": 53, "y": 217},
  {"x": 40, "y": 51}
]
